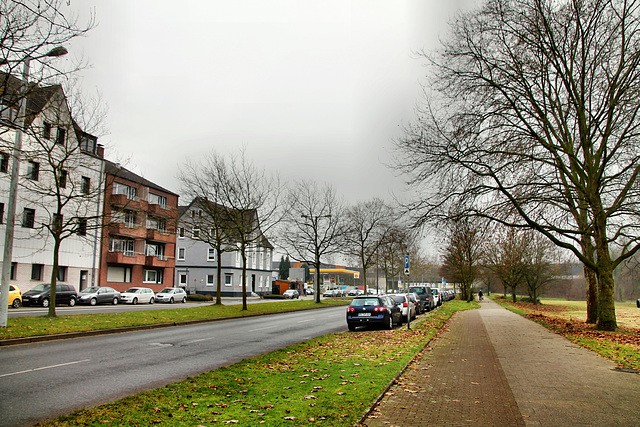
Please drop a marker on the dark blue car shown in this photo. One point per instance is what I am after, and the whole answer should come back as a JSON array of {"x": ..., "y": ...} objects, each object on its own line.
[{"x": 368, "y": 310}]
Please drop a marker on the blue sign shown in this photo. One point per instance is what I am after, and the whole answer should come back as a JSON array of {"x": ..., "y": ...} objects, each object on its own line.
[{"x": 406, "y": 261}]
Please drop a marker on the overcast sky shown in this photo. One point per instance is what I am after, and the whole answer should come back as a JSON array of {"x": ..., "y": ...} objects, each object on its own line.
[{"x": 312, "y": 89}]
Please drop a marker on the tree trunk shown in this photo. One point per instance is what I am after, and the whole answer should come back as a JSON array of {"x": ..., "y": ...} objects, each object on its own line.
[
  {"x": 592, "y": 295},
  {"x": 317, "y": 265},
  {"x": 54, "y": 277},
  {"x": 606, "y": 303},
  {"x": 219, "y": 278},
  {"x": 244, "y": 278}
]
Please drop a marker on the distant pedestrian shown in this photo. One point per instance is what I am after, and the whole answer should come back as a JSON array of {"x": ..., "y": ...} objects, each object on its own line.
[{"x": 480, "y": 295}]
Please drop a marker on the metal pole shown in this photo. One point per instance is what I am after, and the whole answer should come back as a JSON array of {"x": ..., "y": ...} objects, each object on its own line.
[{"x": 13, "y": 194}]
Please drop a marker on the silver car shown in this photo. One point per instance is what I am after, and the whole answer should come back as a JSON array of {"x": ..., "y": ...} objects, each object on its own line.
[
  {"x": 171, "y": 295},
  {"x": 98, "y": 295}
]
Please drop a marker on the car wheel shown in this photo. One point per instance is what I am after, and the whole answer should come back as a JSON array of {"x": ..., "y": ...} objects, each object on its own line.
[
  {"x": 351, "y": 326},
  {"x": 171, "y": 301},
  {"x": 135, "y": 301},
  {"x": 116, "y": 301},
  {"x": 72, "y": 302},
  {"x": 93, "y": 301},
  {"x": 390, "y": 325},
  {"x": 15, "y": 303},
  {"x": 45, "y": 302},
  {"x": 151, "y": 301},
  {"x": 184, "y": 300}
]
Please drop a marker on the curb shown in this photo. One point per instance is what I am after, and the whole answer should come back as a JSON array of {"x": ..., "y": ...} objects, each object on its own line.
[{"x": 71, "y": 335}]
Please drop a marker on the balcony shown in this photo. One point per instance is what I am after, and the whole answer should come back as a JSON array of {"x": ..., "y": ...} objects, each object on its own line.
[
  {"x": 121, "y": 200},
  {"x": 127, "y": 230},
  {"x": 161, "y": 210},
  {"x": 131, "y": 258},
  {"x": 159, "y": 261},
  {"x": 160, "y": 236}
]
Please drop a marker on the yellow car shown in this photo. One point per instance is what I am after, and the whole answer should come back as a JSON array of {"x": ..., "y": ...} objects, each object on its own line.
[{"x": 15, "y": 296}]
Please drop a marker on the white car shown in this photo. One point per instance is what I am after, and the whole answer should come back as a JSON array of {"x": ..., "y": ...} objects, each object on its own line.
[
  {"x": 408, "y": 307},
  {"x": 171, "y": 295},
  {"x": 138, "y": 295},
  {"x": 291, "y": 293},
  {"x": 436, "y": 296}
]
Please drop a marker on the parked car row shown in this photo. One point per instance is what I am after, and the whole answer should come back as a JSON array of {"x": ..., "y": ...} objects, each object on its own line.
[
  {"x": 66, "y": 294},
  {"x": 394, "y": 309},
  {"x": 334, "y": 293}
]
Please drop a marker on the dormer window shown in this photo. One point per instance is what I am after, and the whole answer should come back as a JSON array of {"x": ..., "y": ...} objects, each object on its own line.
[
  {"x": 60, "y": 136},
  {"x": 46, "y": 130}
]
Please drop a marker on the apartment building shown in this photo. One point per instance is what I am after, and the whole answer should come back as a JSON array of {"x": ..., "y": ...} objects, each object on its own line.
[
  {"x": 139, "y": 234},
  {"x": 59, "y": 186}
]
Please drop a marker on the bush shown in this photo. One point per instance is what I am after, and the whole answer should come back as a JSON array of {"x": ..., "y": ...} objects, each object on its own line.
[
  {"x": 200, "y": 297},
  {"x": 273, "y": 296}
]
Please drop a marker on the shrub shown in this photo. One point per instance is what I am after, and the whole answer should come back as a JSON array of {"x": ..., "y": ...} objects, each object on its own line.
[
  {"x": 273, "y": 296},
  {"x": 200, "y": 297}
]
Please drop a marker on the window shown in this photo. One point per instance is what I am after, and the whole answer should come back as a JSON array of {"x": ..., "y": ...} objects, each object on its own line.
[
  {"x": 7, "y": 111},
  {"x": 81, "y": 229},
  {"x": 125, "y": 246},
  {"x": 62, "y": 273},
  {"x": 210, "y": 280},
  {"x": 156, "y": 224},
  {"x": 152, "y": 276},
  {"x": 228, "y": 279},
  {"x": 86, "y": 185},
  {"x": 127, "y": 190},
  {"x": 155, "y": 250},
  {"x": 156, "y": 199},
  {"x": 181, "y": 253},
  {"x": 119, "y": 274},
  {"x": 28, "y": 218},
  {"x": 1, "y": 213},
  {"x": 88, "y": 144},
  {"x": 46, "y": 130},
  {"x": 36, "y": 271},
  {"x": 183, "y": 278},
  {"x": 33, "y": 170},
  {"x": 60, "y": 135},
  {"x": 4, "y": 162},
  {"x": 14, "y": 271},
  {"x": 211, "y": 254},
  {"x": 196, "y": 233},
  {"x": 181, "y": 232},
  {"x": 62, "y": 181},
  {"x": 128, "y": 218}
]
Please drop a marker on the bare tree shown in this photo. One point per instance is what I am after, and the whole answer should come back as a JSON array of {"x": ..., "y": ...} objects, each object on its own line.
[
  {"x": 507, "y": 259},
  {"x": 399, "y": 240},
  {"x": 367, "y": 226},
  {"x": 313, "y": 225},
  {"x": 248, "y": 196},
  {"x": 536, "y": 114},
  {"x": 32, "y": 33}
]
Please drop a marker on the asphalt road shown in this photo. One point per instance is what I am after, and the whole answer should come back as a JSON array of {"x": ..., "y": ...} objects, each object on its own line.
[{"x": 44, "y": 380}]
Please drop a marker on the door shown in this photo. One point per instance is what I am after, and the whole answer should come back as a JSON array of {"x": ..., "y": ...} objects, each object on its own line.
[{"x": 84, "y": 277}]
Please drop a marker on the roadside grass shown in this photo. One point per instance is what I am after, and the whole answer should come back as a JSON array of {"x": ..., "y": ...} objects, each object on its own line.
[
  {"x": 567, "y": 318},
  {"x": 42, "y": 325},
  {"x": 331, "y": 380}
]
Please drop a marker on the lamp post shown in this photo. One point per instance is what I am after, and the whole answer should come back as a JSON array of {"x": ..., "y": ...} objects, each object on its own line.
[{"x": 14, "y": 180}]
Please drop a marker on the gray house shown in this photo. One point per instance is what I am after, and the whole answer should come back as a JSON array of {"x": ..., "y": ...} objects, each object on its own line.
[{"x": 197, "y": 259}]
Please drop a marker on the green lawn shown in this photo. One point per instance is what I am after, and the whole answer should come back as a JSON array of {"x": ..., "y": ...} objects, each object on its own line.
[
  {"x": 331, "y": 381},
  {"x": 36, "y": 326}
]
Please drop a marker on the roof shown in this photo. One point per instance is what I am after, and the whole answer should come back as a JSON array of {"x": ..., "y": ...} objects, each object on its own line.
[{"x": 118, "y": 171}]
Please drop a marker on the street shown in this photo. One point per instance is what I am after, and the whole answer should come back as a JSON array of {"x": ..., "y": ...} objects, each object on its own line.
[{"x": 45, "y": 380}]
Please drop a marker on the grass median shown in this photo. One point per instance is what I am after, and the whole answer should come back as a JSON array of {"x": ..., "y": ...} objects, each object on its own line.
[
  {"x": 329, "y": 381},
  {"x": 25, "y": 327},
  {"x": 567, "y": 318}
]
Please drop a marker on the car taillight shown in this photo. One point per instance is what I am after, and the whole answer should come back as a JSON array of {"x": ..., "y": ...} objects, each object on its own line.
[
  {"x": 404, "y": 304},
  {"x": 380, "y": 309},
  {"x": 351, "y": 309}
]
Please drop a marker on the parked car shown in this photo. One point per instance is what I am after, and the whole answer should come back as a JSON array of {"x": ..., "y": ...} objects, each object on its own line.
[
  {"x": 15, "y": 296},
  {"x": 328, "y": 293},
  {"x": 172, "y": 295},
  {"x": 426, "y": 294},
  {"x": 309, "y": 290},
  {"x": 408, "y": 308},
  {"x": 138, "y": 295},
  {"x": 40, "y": 295},
  {"x": 419, "y": 303},
  {"x": 436, "y": 296},
  {"x": 291, "y": 294},
  {"x": 99, "y": 295},
  {"x": 373, "y": 310}
]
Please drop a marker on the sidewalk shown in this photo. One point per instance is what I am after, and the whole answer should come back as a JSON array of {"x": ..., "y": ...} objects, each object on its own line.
[{"x": 492, "y": 367}]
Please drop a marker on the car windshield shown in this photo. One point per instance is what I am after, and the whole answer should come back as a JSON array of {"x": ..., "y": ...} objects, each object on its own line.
[
  {"x": 133, "y": 290},
  {"x": 41, "y": 287},
  {"x": 399, "y": 298},
  {"x": 166, "y": 291},
  {"x": 418, "y": 291},
  {"x": 365, "y": 302},
  {"x": 91, "y": 290}
]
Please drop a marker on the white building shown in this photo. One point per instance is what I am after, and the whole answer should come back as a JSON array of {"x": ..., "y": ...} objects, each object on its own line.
[{"x": 53, "y": 147}]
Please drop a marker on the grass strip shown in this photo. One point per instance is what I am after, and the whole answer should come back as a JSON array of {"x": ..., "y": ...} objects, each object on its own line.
[
  {"x": 330, "y": 380},
  {"x": 24, "y": 327},
  {"x": 621, "y": 346}
]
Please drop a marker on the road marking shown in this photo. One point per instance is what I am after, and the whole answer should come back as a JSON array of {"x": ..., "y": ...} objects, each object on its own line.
[
  {"x": 44, "y": 367},
  {"x": 201, "y": 339},
  {"x": 262, "y": 329},
  {"x": 307, "y": 320}
]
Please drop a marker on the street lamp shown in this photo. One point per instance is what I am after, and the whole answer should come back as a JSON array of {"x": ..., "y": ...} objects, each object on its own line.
[{"x": 14, "y": 180}]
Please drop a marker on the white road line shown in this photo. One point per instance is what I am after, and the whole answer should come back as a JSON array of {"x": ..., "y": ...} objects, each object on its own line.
[
  {"x": 307, "y": 320},
  {"x": 201, "y": 339},
  {"x": 44, "y": 367},
  {"x": 262, "y": 329}
]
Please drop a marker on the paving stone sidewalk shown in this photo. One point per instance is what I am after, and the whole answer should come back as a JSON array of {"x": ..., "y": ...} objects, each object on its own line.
[{"x": 492, "y": 367}]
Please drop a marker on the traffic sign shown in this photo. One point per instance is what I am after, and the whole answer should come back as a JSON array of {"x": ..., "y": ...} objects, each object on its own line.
[{"x": 406, "y": 265}]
